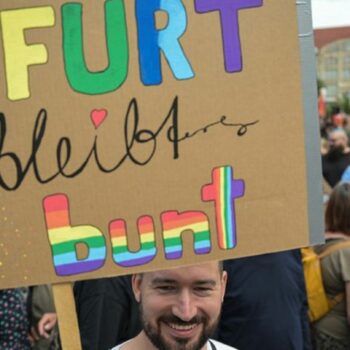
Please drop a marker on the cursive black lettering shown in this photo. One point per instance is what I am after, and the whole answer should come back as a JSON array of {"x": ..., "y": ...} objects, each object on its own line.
[
  {"x": 242, "y": 128},
  {"x": 134, "y": 136},
  {"x": 10, "y": 156},
  {"x": 38, "y": 134}
]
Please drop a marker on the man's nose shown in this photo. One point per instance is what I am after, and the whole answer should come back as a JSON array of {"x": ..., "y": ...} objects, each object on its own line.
[{"x": 184, "y": 307}]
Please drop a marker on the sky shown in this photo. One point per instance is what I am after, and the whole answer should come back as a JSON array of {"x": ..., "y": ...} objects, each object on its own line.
[{"x": 330, "y": 13}]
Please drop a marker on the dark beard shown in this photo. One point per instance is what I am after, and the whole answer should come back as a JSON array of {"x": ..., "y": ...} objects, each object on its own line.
[
  {"x": 156, "y": 338},
  {"x": 335, "y": 153}
]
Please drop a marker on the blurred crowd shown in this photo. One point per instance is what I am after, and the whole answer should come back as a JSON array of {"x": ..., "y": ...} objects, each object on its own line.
[{"x": 335, "y": 149}]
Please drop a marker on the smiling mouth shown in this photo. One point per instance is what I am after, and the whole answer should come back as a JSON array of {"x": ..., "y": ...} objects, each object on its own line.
[{"x": 181, "y": 327}]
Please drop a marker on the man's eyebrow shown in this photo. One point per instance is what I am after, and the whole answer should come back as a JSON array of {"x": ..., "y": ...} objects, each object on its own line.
[
  {"x": 159, "y": 280},
  {"x": 206, "y": 282}
]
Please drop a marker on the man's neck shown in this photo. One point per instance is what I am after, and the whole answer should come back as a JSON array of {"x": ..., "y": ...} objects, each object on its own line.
[
  {"x": 141, "y": 341},
  {"x": 336, "y": 235}
]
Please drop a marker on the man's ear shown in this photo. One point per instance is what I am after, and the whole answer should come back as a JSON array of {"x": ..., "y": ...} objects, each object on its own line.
[
  {"x": 223, "y": 284},
  {"x": 136, "y": 281}
]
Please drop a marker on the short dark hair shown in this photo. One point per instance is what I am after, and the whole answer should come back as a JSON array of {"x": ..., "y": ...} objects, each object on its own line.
[
  {"x": 220, "y": 266},
  {"x": 338, "y": 209}
]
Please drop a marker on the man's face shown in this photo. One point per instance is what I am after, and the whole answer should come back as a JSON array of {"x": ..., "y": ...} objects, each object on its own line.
[
  {"x": 337, "y": 140},
  {"x": 337, "y": 145},
  {"x": 180, "y": 308}
]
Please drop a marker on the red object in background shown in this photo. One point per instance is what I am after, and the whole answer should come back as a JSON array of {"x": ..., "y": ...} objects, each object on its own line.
[
  {"x": 321, "y": 107},
  {"x": 338, "y": 120}
]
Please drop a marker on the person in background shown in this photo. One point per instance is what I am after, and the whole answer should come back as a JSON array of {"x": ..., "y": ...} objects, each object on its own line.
[
  {"x": 179, "y": 308},
  {"x": 324, "y": 146},
  {"x": 107, "y": 312},
  {"x": 265, "y": 305},
  {"x": 43, "y": 319},
  {"x": 14, "y": 321},
  {"x": 339, "y": 120},
  {"x": 332, "y": 332},
  {"x": 337, "y": 159},
  {"x": 346, "y": 175}
]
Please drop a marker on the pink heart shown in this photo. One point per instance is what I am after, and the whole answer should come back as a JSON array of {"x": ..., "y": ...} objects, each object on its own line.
[{"x": 98, "y": 116}]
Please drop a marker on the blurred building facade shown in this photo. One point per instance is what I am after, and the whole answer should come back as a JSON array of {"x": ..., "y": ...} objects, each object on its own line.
[{"x": 333, "y": 60}]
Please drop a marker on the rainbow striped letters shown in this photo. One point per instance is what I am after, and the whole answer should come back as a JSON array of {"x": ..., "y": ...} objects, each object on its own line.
[
  {"x": 174, "y": 224},
  {"x": 64, "y": 238},
  {"x": 223, "y": 191},
  {"x": 121, "y": 254}
]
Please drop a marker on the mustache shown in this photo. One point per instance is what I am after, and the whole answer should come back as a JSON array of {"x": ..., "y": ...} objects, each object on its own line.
[{"x": 176, "y": 320}]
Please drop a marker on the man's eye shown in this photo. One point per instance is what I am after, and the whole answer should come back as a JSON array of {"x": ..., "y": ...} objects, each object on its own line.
[
  {"x": 203, "y": 290},
  {"x": 165, "y": 289}
]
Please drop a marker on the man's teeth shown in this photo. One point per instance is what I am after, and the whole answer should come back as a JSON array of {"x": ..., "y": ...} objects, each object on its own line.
[{"x": 182, "y": 327}]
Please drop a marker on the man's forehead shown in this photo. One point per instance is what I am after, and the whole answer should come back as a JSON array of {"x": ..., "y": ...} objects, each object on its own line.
[{"x": 190, "y": 274}]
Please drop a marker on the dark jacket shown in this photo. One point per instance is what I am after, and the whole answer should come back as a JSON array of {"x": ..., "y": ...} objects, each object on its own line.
[
  {"x": 265, "y": 305},
  {"x": 107, "y": 312}
]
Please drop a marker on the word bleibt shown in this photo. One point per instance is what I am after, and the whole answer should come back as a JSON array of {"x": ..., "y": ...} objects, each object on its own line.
[{"x": 12, "y": 178}]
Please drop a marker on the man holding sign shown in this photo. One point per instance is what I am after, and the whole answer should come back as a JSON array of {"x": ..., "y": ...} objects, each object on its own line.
[{"x": 179, "y": 308}]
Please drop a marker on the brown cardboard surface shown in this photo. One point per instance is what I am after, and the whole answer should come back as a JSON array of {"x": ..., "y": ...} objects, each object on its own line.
[{"x": 265, "y": 96}]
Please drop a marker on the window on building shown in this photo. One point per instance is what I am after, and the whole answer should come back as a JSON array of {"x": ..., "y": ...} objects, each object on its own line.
[
  {"x": 346, "y": 74},
  {"x": 331, "y": 61},
  {"x": 332, "y": 91},
  {"x": 334, "y": 67},
  {"x": 346, "y": 45},
  {"x": 330, "y": 74}
]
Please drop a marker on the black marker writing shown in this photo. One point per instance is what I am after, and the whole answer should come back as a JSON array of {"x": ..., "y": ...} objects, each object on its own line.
[{"x": 133, "y": 135}]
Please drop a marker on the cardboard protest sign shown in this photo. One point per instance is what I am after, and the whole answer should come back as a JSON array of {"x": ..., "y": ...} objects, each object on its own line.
[{"x": 137, "y": 135}]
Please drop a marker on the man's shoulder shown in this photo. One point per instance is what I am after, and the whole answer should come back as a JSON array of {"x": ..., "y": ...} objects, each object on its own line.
[
  {"x": 218, "y": 345},
  {"x": 221, "y": 346},
  {"x": 118, "y": 347}
]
